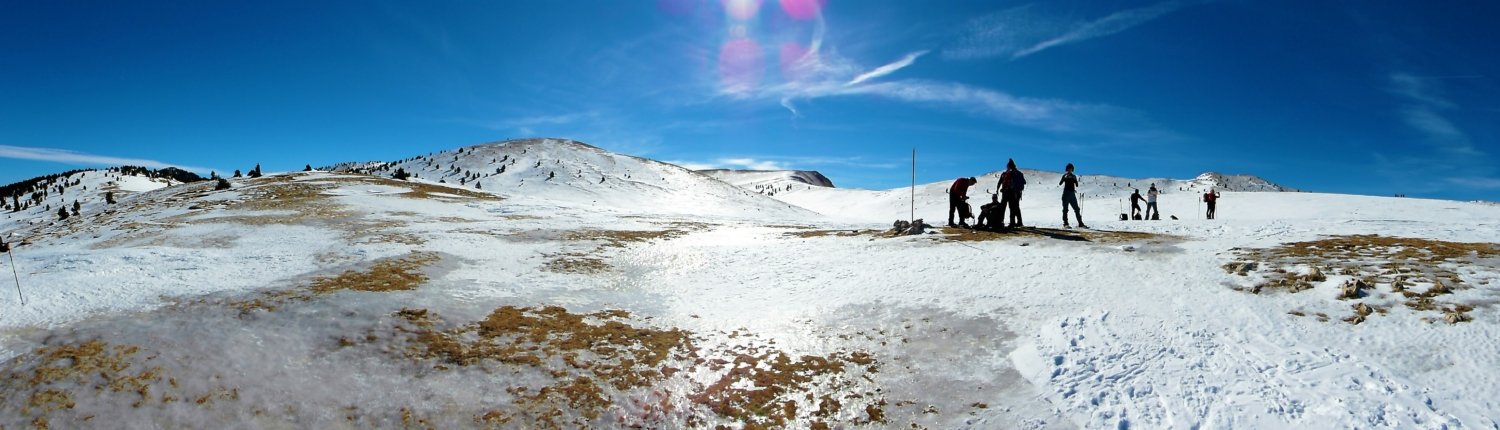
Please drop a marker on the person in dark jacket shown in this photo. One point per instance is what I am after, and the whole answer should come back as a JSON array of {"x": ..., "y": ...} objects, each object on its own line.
[
  {"x": 1135, "y": 204},
  {"x": 1070, "y": 196},
  {"x": 1152, "y": 212},
  {"x": 957, "y": 194},
  {"x": 1012, "y": 183},
  {"x": 1211, "y": 197},
  {"x": 991, "y": 215}
]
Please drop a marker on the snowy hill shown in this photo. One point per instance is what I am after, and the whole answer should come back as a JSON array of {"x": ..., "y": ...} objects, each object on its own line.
[
  {"x": 573, "y": 175},
  {"x": 770, "y": 182},
  {"x": 41, "y": 198}
]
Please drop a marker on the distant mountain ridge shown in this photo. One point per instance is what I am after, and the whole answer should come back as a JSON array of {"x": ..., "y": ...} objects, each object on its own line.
[{"x": 573, "y": 174}]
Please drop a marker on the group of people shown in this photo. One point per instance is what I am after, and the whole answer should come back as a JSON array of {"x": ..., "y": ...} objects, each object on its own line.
[
  {"x": 1007, "y": 196},
  {"x": 1013, "y": 183}
]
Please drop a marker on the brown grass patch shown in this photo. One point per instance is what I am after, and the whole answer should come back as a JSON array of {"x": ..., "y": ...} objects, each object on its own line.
[
  {"x": 52, "y": 378},
  {"x": 808, "y": 234},
  {"x": 1421, "y": 271},
  {"x": 1096, "y": 236},
  {"x": 621, "y": 238},
  {"x": 600, "y": 360},
  {"x": 394, "y": 274},
  {"x": 577, "y": 263}
]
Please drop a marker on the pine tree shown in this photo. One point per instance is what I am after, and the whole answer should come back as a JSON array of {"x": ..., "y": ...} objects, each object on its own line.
[
  {"x": 308, "y": 168},
  {"x": 237, "y": 173},
  {"x": 222, "y": 185},
  {"x": 256, "y": 172},
  {"x": 401, "y": 174},
  {"x": 62, "y": 214},
  {"x": 15, "y": 203},
  {"x": 109, "y": 197},
  {"x": 76, "y": 207}
]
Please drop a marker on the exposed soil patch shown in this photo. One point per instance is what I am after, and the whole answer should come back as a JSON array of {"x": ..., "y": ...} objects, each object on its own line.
[
  {"x": 1422, "y": 274},
  {"x": 396, "y": 274},
  {"x": 605, "y": 370}
]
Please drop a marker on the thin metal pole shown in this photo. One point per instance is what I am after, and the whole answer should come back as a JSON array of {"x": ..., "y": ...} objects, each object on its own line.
[
  {"x": 16, "y": 275},
  {"x": 913, "y": 185}
]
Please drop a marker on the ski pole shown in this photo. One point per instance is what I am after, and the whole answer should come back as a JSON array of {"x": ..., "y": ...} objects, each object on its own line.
[{"x": 17, "y": 276}]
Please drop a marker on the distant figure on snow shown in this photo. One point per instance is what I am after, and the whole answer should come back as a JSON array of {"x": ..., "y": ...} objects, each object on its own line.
[
  {"x": 957, "y": 194},
  {"x": 1070, "y": 196},
  {"x": 1151, "y": 210},
  {"x": 1135, "y": 204},
  {"x": 1211, "y": 197},
  {"x": 1012, "y": 183}
]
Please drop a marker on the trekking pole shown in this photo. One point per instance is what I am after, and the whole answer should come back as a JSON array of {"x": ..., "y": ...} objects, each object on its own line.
[{"x": 17, "y": 276}]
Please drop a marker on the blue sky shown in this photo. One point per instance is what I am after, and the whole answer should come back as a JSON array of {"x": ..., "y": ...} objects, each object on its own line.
[{"x": 1369, "y": 97}]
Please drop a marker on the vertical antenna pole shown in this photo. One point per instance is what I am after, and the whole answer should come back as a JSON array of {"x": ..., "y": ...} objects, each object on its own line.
[{"x": 913, "y": 184}]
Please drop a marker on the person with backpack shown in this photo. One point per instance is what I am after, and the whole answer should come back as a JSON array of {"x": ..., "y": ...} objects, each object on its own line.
[
  {"x": 1012, "y": 183},
  {"x": 1151, "y": 211},
  {"x": 1070, "y": 196},
  {"x": 957, "y": 194},
  {"x": 1211, "y": 197},
  {"x": 1135, "y": 204}
]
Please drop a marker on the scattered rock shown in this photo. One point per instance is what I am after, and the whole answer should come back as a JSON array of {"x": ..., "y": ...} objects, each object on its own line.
[{"x": 1353, "y": 289}]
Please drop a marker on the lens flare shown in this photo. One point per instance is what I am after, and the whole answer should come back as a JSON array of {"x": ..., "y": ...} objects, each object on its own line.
[
  {"x": 802, "y": 10},
  {"x": 742, "y": 9},
  {"x": 795, "y": 61},
  {"x": 741, "y": 65}
]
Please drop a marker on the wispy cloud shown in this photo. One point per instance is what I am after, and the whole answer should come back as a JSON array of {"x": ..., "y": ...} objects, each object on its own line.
[
  {"x": 1448, "y": 157},
  {"x": 888, "y": 68},
  {"x": 73, "y": 157},
  {"x": 529, "y": 125},
  {"x": 732, "y": 163},
  {"x": 1026, "y": 30},
  {"x": 783, "y": 163},
  {"x": 1424, "y": 108}
]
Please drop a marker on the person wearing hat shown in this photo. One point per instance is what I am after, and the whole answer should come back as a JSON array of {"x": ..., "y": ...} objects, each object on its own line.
[
  {"x": 1070, "y": 196},
  {"x": 958, "y": 193},
  {"x": 1012, "y": 183}
]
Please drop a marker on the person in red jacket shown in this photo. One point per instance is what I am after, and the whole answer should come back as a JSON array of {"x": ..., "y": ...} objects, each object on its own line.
[
  {"x": 957, "y": 194},
  {"x": 1211, "y": 197}
]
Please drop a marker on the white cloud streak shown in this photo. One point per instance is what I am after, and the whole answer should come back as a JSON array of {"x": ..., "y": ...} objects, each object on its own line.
[
  {"x": 888, "y": 68},
  {"x": 1022, "y": 31},
  {"x": 73, "y": 157},
  {"x": 1114, "y": 23},
  {"x": 1423, "y": 110}
]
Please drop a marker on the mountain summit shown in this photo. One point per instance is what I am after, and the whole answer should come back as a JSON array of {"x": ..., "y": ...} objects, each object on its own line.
[{"x": 575, "y": 175}]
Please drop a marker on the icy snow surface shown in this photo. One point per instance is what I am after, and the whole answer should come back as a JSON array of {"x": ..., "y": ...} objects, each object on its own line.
[{"x": 1019, "y": 332}]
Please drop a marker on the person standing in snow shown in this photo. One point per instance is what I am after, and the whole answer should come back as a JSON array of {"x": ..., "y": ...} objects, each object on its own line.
[
  {"x": 957, "y": 194},
  {"x": 1070, "y": 196},
  {"x": 1151, "y": 211},
  {"x": 1211, "y": 197},
  {"x": 1135, "y": 204},
  {"x": 1012, "y": 183}
]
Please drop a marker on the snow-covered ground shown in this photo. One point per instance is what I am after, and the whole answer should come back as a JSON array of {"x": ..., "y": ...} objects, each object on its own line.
[{"x": 277, "y": 304}]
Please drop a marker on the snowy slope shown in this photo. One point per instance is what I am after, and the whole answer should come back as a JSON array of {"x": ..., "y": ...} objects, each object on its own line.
[
  {"x": 575, "y": 176},
  {"x": 88, "y": 188},
  {"x": 184, "y": 306}
]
